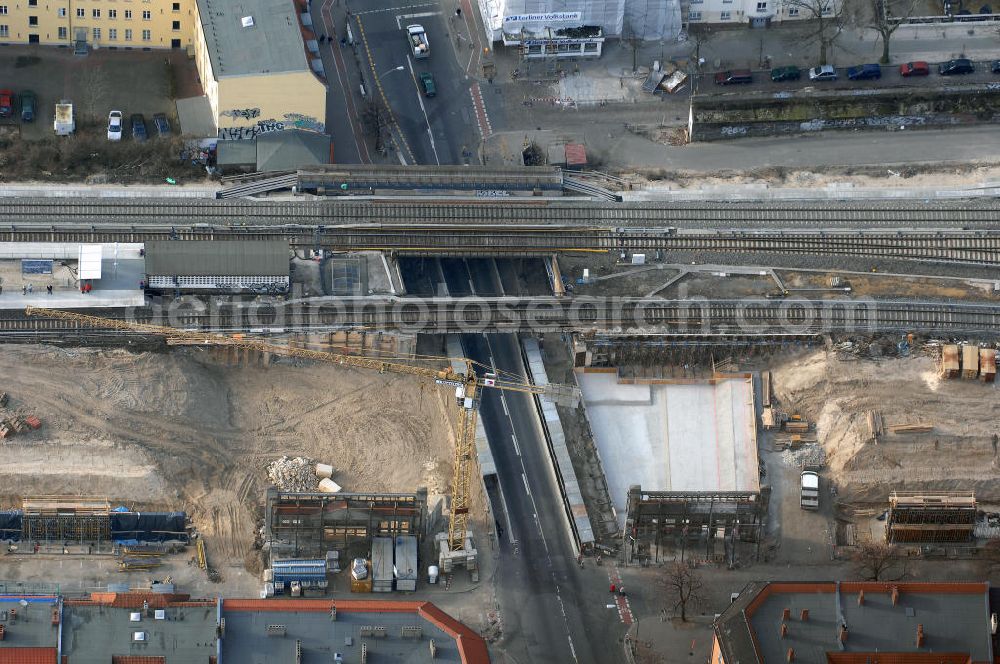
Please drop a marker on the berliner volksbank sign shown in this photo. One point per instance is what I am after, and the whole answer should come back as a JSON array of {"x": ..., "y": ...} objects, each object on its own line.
[{"x": 552, "y": 17}]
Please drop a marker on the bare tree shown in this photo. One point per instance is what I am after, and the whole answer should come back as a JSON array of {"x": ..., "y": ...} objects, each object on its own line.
[
  {"x": 825, "y": 21},
  {"x": 876, "y": 560},
  {"x": 886, "y": 17},
  {"x": 683, "y": 587}
]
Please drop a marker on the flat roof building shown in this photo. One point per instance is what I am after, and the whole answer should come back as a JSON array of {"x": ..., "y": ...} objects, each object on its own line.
[
  {"x": 144, "y": 627},
  {"x": 260, "y": 66},
  {"x": 856, "y": 623},
  {"x": 218, "y": 265}
]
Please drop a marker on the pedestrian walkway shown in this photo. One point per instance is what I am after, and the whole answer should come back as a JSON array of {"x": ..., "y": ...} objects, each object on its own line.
[{"x": 73, "y": 299}]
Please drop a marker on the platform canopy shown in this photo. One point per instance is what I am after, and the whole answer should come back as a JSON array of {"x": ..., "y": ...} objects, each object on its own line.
[{"x": 89, "y": 266}]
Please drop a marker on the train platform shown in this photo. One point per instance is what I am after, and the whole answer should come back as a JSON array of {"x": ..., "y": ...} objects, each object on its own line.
[{"x": 29, "y": 270}]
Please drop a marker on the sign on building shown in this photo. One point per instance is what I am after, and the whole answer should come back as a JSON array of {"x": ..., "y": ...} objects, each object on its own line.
[
  {"x": 34, "y": 266},
  {"x": 550, "y": 17}
]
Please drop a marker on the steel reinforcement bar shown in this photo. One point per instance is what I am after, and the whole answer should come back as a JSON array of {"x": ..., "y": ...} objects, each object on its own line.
[
  {"x": 695, "y": 318},
  {"x": 506, "y": 211}
]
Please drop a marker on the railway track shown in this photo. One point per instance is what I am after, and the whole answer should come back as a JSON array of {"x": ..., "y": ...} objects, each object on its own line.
[
  {"x": 621, "y": 315},
  {"x": 505, "y": 211},
  {"x": 978, "y": 247}
]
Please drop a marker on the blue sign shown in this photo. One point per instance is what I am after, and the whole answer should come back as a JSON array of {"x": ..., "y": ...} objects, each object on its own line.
[{"x": 31, "y": 266}]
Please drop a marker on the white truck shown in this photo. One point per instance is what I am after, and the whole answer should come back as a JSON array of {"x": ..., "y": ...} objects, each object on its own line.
[
  {"x": 63, "y": 123},
  {"x": 419, "y": 44},
  {"x": 809, "y": 490}
]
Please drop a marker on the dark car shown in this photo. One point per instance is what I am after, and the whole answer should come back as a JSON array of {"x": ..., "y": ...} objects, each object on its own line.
[
  {"x": 785, "y": 74},
  {"x": 957, "y": 66},
  {"x": 6, "y": 103},
  {"x": 919, "y": 68},
  {"x": 427, "y": 82},
  {"x": 138, "y": 127},
  {"x": 162, "y": 124},
  {"x": 995, "y": 66},
  {"x": 28, "y": 103},
  {"x": 733, "y": 77},
  {"x": 867, "y": 72}
]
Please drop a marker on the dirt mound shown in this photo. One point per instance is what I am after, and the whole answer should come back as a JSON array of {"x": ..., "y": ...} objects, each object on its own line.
[{"x": 958, "y": 454}]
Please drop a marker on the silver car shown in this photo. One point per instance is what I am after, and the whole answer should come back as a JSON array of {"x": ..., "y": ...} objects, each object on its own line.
[{"x": 823, "y": 73}]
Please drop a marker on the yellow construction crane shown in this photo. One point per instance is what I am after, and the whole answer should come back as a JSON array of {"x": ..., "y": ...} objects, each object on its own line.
[{"x": 467, "y": 386}]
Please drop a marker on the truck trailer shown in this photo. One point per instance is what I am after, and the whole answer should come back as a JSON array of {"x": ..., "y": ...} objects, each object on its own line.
[
  {"x": 64, "y": 125},
  {"x": 809, "y": 496},
  {"x": 419, "y": 44}
]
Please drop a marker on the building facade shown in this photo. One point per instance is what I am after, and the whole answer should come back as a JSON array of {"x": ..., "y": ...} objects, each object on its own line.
[
  {"x": 127, "y": 24},
  {"x": 757, "y": 13}
]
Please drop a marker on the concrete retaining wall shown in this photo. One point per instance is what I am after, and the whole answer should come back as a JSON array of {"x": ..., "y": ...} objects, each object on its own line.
[{"x": 724, "y": 117}]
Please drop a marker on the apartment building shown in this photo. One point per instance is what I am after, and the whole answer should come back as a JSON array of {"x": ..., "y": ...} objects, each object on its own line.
[
  {"x": 127, "y": 24},
  {"x": 755, "y": 13}
]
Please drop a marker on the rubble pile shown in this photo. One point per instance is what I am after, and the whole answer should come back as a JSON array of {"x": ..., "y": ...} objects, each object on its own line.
[{"x": 292, "y": 474}]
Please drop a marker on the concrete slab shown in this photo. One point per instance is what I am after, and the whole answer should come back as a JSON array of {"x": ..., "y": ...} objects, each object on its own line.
[
  {"x": 698, "y": 436},
  {"x": 195, "y": 116}
]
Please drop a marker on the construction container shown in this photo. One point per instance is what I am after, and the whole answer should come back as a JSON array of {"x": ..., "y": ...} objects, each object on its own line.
[
  {"x": 987, "y": 365},
  {"x": 970, "y": 362},
  {"x": 406, "y": 563},
  {"x": 33, "y": 422},
  {"x": 362, "y": 585},
  {"x": 324, "y": 470},
  {"x": 950, "y": 363},
  {"x": 296, "y": 572},
  {"x": 382, "y": 559},
  {"x": 326, "y": 485}
]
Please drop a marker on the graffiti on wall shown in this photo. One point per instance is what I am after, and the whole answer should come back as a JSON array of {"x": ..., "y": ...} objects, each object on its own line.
[
  {"x": 250, "y": 132},
  {"x": 244, "y": 113}
]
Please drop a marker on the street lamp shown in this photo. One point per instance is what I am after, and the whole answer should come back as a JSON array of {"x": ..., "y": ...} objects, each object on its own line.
[{"x": 399, "y": 68}]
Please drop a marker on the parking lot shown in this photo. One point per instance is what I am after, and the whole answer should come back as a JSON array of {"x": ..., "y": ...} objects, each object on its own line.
[
  {"x": 890, "y": 78},
  {"x": 144, "y": 82}
]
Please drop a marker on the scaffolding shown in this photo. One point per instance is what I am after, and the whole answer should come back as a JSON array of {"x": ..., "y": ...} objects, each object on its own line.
[
  {"x": 930, "y": 517},
  {"x": 66, "y": 519},
  {"x": 659, "y": 524},
  {"x": 309, "y": 524}
]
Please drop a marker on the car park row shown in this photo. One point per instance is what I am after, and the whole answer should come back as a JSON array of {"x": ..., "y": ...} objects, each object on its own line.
[{"x": 857, "y": 73}]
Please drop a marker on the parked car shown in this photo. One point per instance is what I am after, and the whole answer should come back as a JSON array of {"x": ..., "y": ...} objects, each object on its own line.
[
  {"x": 823, "y": 73},
  {"x": 864, "y": 72},
  {"x": 115, "y": 126},
  {"x": 790, "y": 73},
  {"x": 427, "y": 82},
  {"x": 919, "y": 68},
  {"x": 162, "y": 124},
  {"x": 138, "y": 127},
  {"x": 957, "y": 66},
  {"x": 995, "y": 66},
  {"x": 6, "y": 103},
  {"x": 733, "y": 77},
  {"x": 28, "y": 103}
]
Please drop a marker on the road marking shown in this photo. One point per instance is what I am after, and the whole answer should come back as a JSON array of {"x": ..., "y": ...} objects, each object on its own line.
[
  {"x": 430, "y": 135},
  {"x": 482, "y": 118},
  {"x": 516, "y": 448},
  {"x": 326, "y": 16},
  {"x": 396, "y": 9},
  {"x": 399, "y": 17},
  {"x": 526, "y": 489},
  {"x": 503, "y": 401},
  {"x": 621, "y": 602},
  {"x": 378, "y": 84}
]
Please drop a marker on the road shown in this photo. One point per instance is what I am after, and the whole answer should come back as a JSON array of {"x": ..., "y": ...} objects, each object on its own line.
[
  {"x": 552, "y": 610},
  {"x": 434, "y": 130}
]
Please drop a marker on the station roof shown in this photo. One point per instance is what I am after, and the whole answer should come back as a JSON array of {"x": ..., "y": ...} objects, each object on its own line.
[
  {"x": 252, "y": 37},
  {"x": 217, "y": 258},
  {"x": 954, "y": 618}
]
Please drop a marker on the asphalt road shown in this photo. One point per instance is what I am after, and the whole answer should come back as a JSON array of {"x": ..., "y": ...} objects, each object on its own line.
[
  {"x": 435, "y": 130},
  {"x": 552, "y": 610}
]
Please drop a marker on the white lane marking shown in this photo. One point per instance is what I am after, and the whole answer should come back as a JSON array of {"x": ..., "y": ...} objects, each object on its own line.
[
  {"x": 526, "y": 489},
  {"x": 503, "y": 401},
  {"x": 400, "y": 17},
  {"x": 516, "y": 448},
  {"x": 427, "y": 121},
  {"x": 394, "y": 9}
]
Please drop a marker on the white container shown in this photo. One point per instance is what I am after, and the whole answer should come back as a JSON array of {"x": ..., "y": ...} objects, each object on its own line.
[
  {"x": 269, "y": 589},
  {"x": 432, "y": 574},
  {"x": 326, "y": 485},
  {"x": 324, "y": 470}
]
